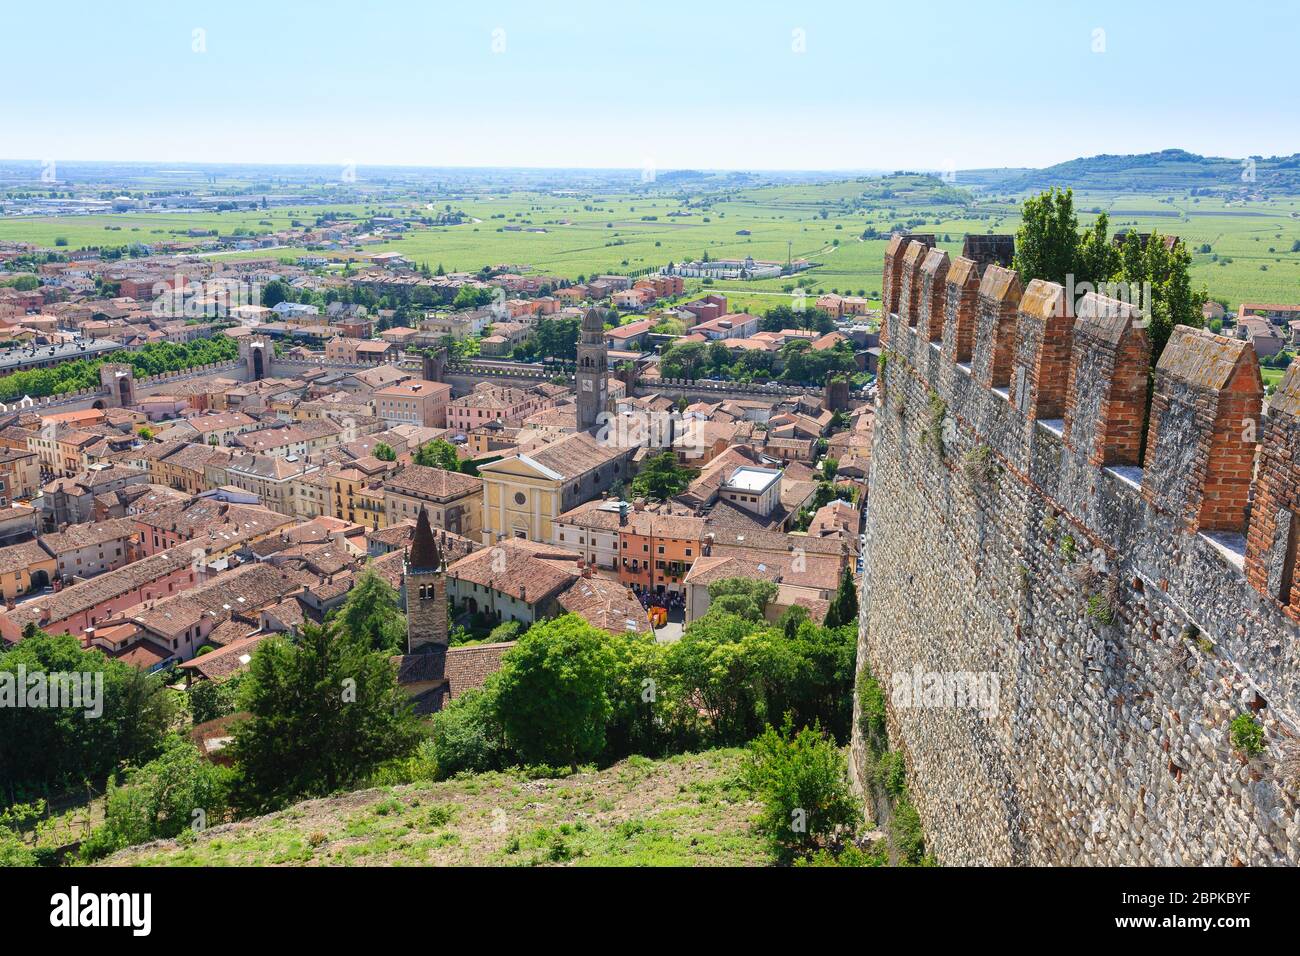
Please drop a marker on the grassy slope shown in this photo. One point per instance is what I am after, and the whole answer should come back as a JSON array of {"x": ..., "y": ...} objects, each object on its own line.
[{"x": 682, "y": 811}]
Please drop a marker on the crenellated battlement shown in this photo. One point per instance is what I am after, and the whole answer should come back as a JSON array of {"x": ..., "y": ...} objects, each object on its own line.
[
  {"x": 1117, "y": 544},
  {"x": 1087, "y": 375}
]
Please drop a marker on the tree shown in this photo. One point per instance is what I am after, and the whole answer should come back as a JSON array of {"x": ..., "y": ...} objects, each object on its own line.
[
  {"x": 844, "y": 606},
  {"x": 557, "y": 338},
  {"x": 323, "y": 713},
  {"x": 467, "y": 734},
  {"x": 1047, "y": 243},
  {"x": 552, "y": 692},
  {"x": 438, "y": 453},
  {"x": 1049, "y": 246},
  {"x": 662, "y": 476},
  {"x": 744, "y": 597},
  {"x": 802, "y": 782},
  {"x": 735, "y": 671},
  {"x": 275, "y": 292},
  {"x": 384, "y": 452},
  {"x": 211, "y": 699},
  {"x": 471, "y": 297},
  {"x": 372, "y": 612},
  {"x": 175, "y": 791},
  {"x": 1167, "y": 271},
  {"x": 123, "y": 716}
]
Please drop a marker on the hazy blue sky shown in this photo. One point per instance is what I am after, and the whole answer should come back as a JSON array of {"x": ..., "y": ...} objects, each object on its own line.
[{"x": 676, "y": 84}]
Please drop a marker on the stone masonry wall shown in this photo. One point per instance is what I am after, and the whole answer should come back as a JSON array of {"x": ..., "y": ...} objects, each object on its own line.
[{"x": 1112, "y": 602}]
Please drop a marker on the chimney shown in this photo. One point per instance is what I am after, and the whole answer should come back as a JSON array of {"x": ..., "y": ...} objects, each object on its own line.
[
  {"x": 639, "y": 504},
  {"x": 622, "y": 513}
]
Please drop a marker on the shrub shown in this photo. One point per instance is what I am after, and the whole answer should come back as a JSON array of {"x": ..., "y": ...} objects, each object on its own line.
[
  {"x": 932, "y": 435},
  {"x": 905, "y": 831},
  {"x": 871, "y": 704},
  {"x": 165, "y": 798},
  {"x": 467, "y": 736},
  {"x": 891, "y": 773},
  {"x": 979, "y": 466},
  {"x": 802, "y": 782},
  {"x": 1099, "y": 609},
  {"x": 1247, "y": 735}
]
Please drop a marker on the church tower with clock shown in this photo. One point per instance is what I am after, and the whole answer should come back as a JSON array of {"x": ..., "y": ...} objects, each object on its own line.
[{"x": 593, "y": 371}]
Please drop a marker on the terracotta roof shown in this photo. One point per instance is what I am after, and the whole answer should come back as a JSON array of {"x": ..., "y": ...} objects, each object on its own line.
[
  {"x": 608, "y": 605},
  {"x": 575, "y": 455},
  {"x": 227, "y": 661},
  {"x": 469, "y": 667},
  {"x": 426, "y": 482},
  {"x": 17, "y": 557},
  {"x": 89, "y": 535},
  {"x": 83, "y": 596},
  {"x": 528, "y": 572}
]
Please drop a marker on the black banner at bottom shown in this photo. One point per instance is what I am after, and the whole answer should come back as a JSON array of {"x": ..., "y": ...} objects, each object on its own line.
[{"x": 144, "y": 906}]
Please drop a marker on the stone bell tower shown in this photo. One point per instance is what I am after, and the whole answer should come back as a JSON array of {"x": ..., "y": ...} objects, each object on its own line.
[
  {"x": 426, "y": 592},
  {"x": 593, "y": 371}
]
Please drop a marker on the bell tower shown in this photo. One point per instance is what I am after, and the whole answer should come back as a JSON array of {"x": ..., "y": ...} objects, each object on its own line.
[
  {"x": 593, "y": 371},
  {"x": 426, "y": 592}
]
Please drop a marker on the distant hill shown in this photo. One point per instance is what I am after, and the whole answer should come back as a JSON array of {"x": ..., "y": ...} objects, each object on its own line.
[{"x": 1166, "y": 171}]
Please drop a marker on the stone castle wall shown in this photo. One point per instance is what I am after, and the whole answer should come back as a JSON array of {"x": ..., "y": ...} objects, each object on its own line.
[{"x": 1129, "y": 602}]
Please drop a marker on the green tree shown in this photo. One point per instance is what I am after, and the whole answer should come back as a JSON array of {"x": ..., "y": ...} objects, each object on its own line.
[
  {"x": 373, "y": 613},
  {"x": 737, "y": 671},
  {"x": 744, "y": 597},
  {"x": 467, "y": 734},
  {"x": 211, "y": 699},
  {"x": 275, "y": 292},
  {"x": 384, "y": 452},
  {"x": 801, "y": 780},
  {"x": 1167, "y": 271},
  {"x": 323, "y": 713},
  {"x": 844, "y": 606},
  {"x": 177, "y": 790},
  {"x": 662, "y": 476},
  {"x": 471, "y": 297},
  {"x": 552, "y": 692},
  {"x": 44, "y": 749},
  {"x": 1047, "y": 243},
  {"x": 438, "y": 453}
]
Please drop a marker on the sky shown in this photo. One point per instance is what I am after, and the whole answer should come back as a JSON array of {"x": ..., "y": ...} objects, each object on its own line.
[{"x": 805, "y": 85}]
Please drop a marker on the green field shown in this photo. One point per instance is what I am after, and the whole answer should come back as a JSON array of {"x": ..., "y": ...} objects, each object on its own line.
[{"x": 1250, "y": 255}]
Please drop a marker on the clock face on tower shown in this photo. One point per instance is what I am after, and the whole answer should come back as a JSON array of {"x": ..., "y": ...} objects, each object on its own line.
[{"x": 586, "y": 385}]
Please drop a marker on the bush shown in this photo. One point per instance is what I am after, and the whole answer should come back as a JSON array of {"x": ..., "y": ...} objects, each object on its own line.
[
  {"x": 852, "y": 855},
  {"x": 905, "y": 831},
  {"x": 552, "y": 692},
  {"x": 176, "y": 792},
  {"x": 871, "y": 706},
  {"x": 802, "y": 782},
  {"x": 1247, "y": 735},
  {"x": 891, "y": 773},
  {"x": 210, "y": 699},
  {"x": 467, "y": 736}
]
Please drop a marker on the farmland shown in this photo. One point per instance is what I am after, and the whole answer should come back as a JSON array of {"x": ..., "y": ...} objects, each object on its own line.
[{"x": 1241, "y": 249}]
